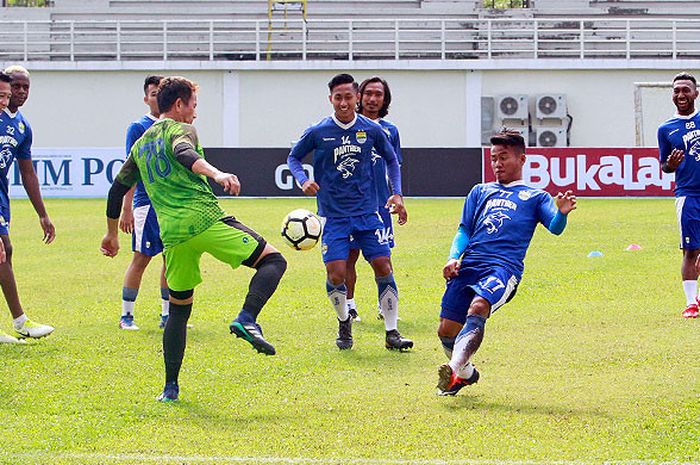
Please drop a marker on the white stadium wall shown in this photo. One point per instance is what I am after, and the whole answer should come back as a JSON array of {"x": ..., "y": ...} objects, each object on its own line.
[{"x": 270, "y": 108}]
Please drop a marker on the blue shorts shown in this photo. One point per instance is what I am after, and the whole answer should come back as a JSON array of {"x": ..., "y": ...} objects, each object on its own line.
[
  {"x": 387, "y": 232},
  {"x": 688, "y": 212},
  {"x": 4, "y": 218},
  {"x": 366, "y": 230},
  {"x": 146, "y": 236},
  {"x": 494, "y": 283}
]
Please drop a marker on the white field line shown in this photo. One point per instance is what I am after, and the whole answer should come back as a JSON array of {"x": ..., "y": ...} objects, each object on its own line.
[{"x": 185, "y": 459}]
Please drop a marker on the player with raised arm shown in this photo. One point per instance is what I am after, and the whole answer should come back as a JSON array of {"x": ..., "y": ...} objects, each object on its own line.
[
  {"x": 16, "y": 143},
  {"x": 487, "y": 254},
  {"x": 679, "y": 153},
  {"x": 139, "y": 219},
  {"x": 375, "y": 98},
  {"x": 170, "y": 161},
  {"x": 346, "y": 196}
]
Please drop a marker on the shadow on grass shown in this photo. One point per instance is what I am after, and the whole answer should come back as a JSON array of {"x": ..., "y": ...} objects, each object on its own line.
[{"x": 477, "y": 402}]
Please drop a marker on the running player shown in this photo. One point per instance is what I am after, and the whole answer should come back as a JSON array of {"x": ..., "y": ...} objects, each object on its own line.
[
  {"x": 170, "y": 161},
  {"x": 342, "y": 150},
  {"x": 486, "y": 258}
]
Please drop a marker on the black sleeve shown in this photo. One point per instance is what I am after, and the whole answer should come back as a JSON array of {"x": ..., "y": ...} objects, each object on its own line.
[
  {"x": 115, "y": 198},
  {"x": 186, "y": 155}
]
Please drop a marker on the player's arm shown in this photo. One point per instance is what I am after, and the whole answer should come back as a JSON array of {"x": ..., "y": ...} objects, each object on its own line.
[
  {"x": 669, "y": 157},
  {"x": 395, "y": 202},
  {"x": 563, "y": 204},
  {"x": 31, "y": 186},
  {"x": 124, "y": 181},
  {"x": 461, "y": 239},
  {"x": 304, "y": 145}
]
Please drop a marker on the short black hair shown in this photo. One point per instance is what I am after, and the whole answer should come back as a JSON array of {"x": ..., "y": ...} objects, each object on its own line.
[
  {"x": 173, "y": 87},
  {"x": 5, "y": 78},
  {"x": 340, "y": 79},
  {"x": 151, "y": 80},
  {"x": 384, "y": 110},
  {"x": 685, "y": 76},
  {"x": 509, "y": 138}
]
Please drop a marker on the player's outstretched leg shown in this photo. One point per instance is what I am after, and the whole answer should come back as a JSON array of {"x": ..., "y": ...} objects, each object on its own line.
[
  {"x": 389, "y": 303},
  {"x": 460, "y": 372},
  {"x": 263, "y": 284},
  {"x": 175, "y": 341}
]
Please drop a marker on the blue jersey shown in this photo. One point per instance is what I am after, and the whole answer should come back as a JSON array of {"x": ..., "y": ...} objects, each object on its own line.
[
  {"x": 343, "y": 164},
  {"x": 15, "y": 142},
  {"x": 500, "y": 221},
  {"x": 683, "y": 132},
  {"x": 381, "y": 180},
  {"x": 134, "y": 133}
]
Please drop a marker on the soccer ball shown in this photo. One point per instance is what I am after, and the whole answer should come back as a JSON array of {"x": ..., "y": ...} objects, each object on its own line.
[{"x": 301, "y": 229}]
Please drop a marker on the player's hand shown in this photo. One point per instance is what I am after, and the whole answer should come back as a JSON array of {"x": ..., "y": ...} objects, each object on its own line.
[
  {"x": 566, "y": 202},
  {"x": 674, "y": 160},
  {"x": 3, "y": 254},
  {"x": 48, "y": 228},
  {"x": 110, "y": 245},
  {"x": 229, "y": 182},
  {"x": 126, "y": 221},
  {"x": 310, "y": 187},
  {"x": 396, "y": 207},
  {"x": 451, "y": 269}
]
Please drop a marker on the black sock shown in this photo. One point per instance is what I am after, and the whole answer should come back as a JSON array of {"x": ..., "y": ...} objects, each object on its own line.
[
  {"x": 262, "y": 285},
  {"x": 174, "y": 340}
]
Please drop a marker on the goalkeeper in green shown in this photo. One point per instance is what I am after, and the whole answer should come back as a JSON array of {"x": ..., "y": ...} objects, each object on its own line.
[{"x": 170, "y": 161}]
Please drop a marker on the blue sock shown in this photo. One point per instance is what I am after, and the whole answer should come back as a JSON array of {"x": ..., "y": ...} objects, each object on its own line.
[
  {"x": 467, "y": 342},
  {"x": 245, "y": 317},
  {"x": 129, "y": 295}
]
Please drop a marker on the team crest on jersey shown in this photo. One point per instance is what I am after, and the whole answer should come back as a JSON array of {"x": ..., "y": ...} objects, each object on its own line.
[
  {"x": 21, "y": 127},
  {"x": 695, "y": 151},
  {"x": 347, "y": 166},
  {"x": 11, "y": 130},
  {"x": 494, "y": 222},
  {"x": 361, "y": 137},
  {"x": 524, "y": 195}
]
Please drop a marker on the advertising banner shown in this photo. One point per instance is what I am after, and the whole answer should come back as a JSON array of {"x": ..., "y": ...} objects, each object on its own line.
[{"x": 594, "y": 172}]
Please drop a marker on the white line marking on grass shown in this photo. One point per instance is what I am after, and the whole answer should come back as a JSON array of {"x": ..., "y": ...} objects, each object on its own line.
[{"x": 185, "y": 459}]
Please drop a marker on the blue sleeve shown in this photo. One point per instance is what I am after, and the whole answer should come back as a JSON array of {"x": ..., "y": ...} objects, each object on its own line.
[
  {"x": 304, "y": 145},
  {"x": 386, "y": 151},
  {"x": 550, "y": 216},
  {"x": 665, "y": 147},
  {"x": 459, "y": 243},
  {"x": 133, "y": 133},
  {"x": 397, "y": 147},
  {"x": 24, "y": 150},
  {"x": 469, "y": 211}
]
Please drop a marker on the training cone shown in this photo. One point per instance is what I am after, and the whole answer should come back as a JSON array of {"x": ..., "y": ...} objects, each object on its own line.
[
  {"x": 633, "y": 247},
  {"x": 595, "y": 253}
]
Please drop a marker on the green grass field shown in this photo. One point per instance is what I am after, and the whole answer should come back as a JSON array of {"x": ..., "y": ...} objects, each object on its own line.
[{"x": 591, "y": 362}]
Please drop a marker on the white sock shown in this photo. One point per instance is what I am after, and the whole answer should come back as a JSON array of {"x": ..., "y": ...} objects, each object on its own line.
[
  {"x": 164, "y": 307},
  {"x": 19, "y": 321},
  {"x": 690, "y": 287},
  {"x": 338, "y": 297},
  {"x": 351, "y": 304},
  {"x": 388, "y": 301},
  {"x": 466, "y": 371},
  {"x": 127, "y": 307}
]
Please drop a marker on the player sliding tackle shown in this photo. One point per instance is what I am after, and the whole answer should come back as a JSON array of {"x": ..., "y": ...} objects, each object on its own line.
[
  {"x": 486, "y": 258},
  {"x": 170, "y": 161}
]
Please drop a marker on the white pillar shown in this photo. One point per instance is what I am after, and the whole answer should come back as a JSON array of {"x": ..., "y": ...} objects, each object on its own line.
[
  {"x": 473, "y": 108},
  {"x": 231, "y": 109}
]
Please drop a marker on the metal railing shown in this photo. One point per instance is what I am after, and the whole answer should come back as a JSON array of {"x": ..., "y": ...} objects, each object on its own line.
[{"x": 358, "y": 39}]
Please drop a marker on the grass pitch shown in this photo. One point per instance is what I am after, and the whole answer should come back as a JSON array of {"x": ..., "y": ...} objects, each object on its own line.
[{"x": 590, "y": 362}]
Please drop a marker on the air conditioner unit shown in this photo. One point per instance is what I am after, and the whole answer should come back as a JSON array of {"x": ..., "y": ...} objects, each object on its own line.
[
  {"x": 546, "y": 106},
  {"x": 554, "y": 136},
  {"x": 512, "y": 106}
]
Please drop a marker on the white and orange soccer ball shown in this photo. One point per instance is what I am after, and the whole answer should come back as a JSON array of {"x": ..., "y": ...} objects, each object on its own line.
[{"x": 301, "y": 229}]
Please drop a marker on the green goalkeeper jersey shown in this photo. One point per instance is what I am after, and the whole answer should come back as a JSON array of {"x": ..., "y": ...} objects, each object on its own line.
[{"x": 183, "y": 201}]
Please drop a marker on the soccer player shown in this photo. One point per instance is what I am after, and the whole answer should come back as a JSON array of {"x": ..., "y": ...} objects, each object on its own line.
[
  {"x": 486, "y": 257},
  {"x": 16, "y": 142},
  {"x": 679, "y": 152},
  {"x": 346, "y": 196},
  {"x": 170, "y": 161},
  {"x": 375, "y": 98},
  {"x": 141, "y": 222}
]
